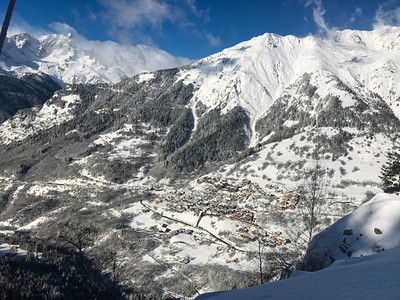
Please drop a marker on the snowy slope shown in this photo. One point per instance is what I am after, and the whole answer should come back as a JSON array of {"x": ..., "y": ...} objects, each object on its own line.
[
  {"x": 46, "y": 116},
  {"x": 284, "y": 163},
  {"x": 372, "y": 277},
  {"x": 71, "y": 59},
  {"x": 303, "y": 93},
  {"x": 372, "y": 228}
]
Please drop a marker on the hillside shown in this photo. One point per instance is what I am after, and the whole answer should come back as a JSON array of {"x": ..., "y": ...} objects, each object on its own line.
[
  {"x": 26, "y": 92},
  {"x": 263, "y": 96},
  {"x": 358, "y": 271},
  {"x": 373, "y": 227}
]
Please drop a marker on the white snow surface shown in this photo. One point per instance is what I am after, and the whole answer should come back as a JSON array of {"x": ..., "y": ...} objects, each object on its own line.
[
  {"x": 362, "y": 166},
  {"x": 373, "y": 277},
  {"x": 7, "y": 248},
  {"x": 374, "y": 226},
  {"x": 34, "y": 224},
  {"x": 72, "y": 59}
]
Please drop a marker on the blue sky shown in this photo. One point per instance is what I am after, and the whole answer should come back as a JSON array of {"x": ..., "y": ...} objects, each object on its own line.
[{"x": 197, "y": 28}]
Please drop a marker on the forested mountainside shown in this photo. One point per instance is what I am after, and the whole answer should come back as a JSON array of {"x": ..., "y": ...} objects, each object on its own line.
[{"x": 25, "y": 92}]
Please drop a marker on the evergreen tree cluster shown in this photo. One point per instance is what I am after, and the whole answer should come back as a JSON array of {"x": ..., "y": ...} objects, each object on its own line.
[
  {"x": 58, "y": 274},
  {"x": 25, "y": 92},
  {"x": 391, "y": 172}
]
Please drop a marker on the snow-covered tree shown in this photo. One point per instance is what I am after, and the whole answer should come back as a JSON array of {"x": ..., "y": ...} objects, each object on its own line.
[{"x": 391, "y": 172}]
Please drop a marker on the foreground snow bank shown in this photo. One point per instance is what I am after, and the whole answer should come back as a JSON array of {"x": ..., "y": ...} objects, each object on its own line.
[
  {"x": 371, "y": 228},
  {"x": 372, "y": 277}
]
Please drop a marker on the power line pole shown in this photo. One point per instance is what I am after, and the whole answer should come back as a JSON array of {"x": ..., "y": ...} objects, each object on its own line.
[{"x": 6, "y": 23}]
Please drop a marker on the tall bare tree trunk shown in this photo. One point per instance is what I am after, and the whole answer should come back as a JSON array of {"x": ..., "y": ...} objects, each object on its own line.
[
  {"x": 260, "y": 258},
  {"x": 313, "y": 198},
  {"x": 6, "y": 23}
]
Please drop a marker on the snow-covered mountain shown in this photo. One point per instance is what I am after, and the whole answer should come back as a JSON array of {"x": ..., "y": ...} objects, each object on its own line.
[
  {"x": 25, "y": 92},
  {"x": 72, "y": 59},
  {"x": 256, "y": 73},
  {"x": 335, "y": 99}
]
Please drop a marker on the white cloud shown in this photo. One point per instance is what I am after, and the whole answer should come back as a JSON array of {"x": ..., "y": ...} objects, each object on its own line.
[
  {"x": 387, "y": 17},
  {"x": 135, "y": 59},
  {"x": 214, "y": 41},
  {"x": 133, "y": 21},
  {"x": 357, "y": 12},
  {"x": 129, "y": 21},
  {"x": 20, "y": 26},
  {"x": 193, "y": 7},
  {"x": 318, "y": 14},
  {"x": 128, "y": 59},
  {"x": 64, "y": 28},
  {"x": 203, "y": 14},
  {"x": 92, "y": 16},
  {"x": 137, "y": 13}
]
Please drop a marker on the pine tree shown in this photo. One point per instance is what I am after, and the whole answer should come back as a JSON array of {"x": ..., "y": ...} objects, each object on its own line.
[{"x": 391, "y": 173}]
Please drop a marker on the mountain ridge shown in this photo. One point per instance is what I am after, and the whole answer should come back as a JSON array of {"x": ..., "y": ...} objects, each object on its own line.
[
  {"x": 71, "y": 59},
  {"x": 269, "y": 63},
  {"x": 282, "y": 86}
]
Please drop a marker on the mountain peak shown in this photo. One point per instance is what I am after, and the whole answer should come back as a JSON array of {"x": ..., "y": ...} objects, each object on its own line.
[
  {"x": 72, "y": 59},
  {"x": 271, "y": 62}
]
